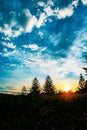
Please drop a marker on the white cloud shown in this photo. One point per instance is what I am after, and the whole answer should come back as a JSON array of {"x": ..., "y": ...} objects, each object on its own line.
[
  {"x": 6, "y": 38},
  {"x": 43, "y": 49},
  {"x": 59, "y": 13},
  {"x": 40, "y": 3},
  {"x": 9, "y": 54},
  {"x": 77, "y": 49},
  {"x": 55, "y": 68},
  {"x": 6, "y": 30},
  {"x": 12, "y": 65},
  {"x": 40, "y": 34},
  {"x": 28, "y": 63},
  {"x": 48, "y": 63},
  {"x": 50, "y": 2},
  {"x": 32, "y": 21},
  {"x": 32, "y": 46},
  {"x": 5, "y": 50},
  {"x": 66, "y": 12},
  {"x": 9, "y": 45},
  {"x": 30, "y": 24},
  {"x": 41, "y": 20},
  {"x": 79, "y": 44},
  {"x": 9, "y": 32},
  {"x": 17, "y": 33},
  {"x": 72, "y": 66},
  {"x": 76, "y": 63},
  {"x": 58, "y": 70},
  {"x": 61, "y": 68},
  {"x": 27, "y": 13},
  {"x": 84, "y": 2},
  {"x": 26, "y": 46},
  {"x": 75, "y": 3},
  {"x": 48, "y": 11}
]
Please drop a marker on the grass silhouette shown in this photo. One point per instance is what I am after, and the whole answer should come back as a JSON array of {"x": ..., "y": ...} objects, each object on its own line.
[{"x": 42, "y": 112}]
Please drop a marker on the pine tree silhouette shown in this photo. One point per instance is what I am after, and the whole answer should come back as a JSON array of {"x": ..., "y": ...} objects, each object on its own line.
[
  {"x": 81, "y": 83},
  {"x": 48, "y": 86},
  {"x": 35, "y": 89},
  {"x": 85, "y": 68}
]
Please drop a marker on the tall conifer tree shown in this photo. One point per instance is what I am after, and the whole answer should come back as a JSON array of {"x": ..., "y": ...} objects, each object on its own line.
[
  {"x": 35, "y": 89},
  {"x": 48, "y": 86}
]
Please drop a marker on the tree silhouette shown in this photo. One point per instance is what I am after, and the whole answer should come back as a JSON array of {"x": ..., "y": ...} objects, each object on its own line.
[
  {"x": 85, "y": 86},
  {"x": 35, "y": 89},
  {"x": 81, "y": 83},
  {"x": 48, "y": 86},
  {"x": 24, "y": 90},
  {"x": 85, "y": 68}
]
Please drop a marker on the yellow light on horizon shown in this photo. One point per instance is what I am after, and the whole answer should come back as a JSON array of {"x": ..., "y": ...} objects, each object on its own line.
[
  {"x": 62, "y": 85},
  {"x": 67, "y": 89}
]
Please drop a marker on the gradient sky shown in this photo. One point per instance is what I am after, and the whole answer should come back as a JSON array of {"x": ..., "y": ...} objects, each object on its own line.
[{"x": 40, "y": 38}]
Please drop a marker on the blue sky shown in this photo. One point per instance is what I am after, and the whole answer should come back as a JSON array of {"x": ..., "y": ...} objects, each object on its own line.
[{"x": 40, "y": 38}]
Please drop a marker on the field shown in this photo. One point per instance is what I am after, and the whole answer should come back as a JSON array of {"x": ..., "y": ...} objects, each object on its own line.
[{"x": 42, "y": 112}]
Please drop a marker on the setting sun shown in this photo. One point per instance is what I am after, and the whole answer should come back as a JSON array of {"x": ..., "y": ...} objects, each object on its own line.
[{"x": 67, "y": 88}]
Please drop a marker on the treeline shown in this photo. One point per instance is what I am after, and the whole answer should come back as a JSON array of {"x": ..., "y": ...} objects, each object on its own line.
[{"x": 48, "y": 88}]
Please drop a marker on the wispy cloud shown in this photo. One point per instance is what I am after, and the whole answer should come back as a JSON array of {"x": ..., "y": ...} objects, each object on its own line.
[
  {"x": 8, "y": 53},
  {"x": 32, "y": 46},
  {"x": 9, "y": 45},
  {"x": 84, "y": 2},
  {"x": 50, "y": 2},
  {"x": 41, "y": 20},
  {"x": 40, "y": 3}
]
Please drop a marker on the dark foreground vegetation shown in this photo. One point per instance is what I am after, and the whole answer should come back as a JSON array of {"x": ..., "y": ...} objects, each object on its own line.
[{"x": 42, "y": 112}]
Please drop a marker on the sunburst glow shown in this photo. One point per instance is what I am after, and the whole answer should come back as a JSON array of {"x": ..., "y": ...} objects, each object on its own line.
[{"x": 67, "y": 89}]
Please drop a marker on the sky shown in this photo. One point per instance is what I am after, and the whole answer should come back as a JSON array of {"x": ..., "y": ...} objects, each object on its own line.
[{"x": 40, "y": 38}]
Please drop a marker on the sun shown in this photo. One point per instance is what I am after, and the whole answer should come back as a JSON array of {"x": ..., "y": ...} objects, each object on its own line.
[{"x": 67, "y": 89}]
